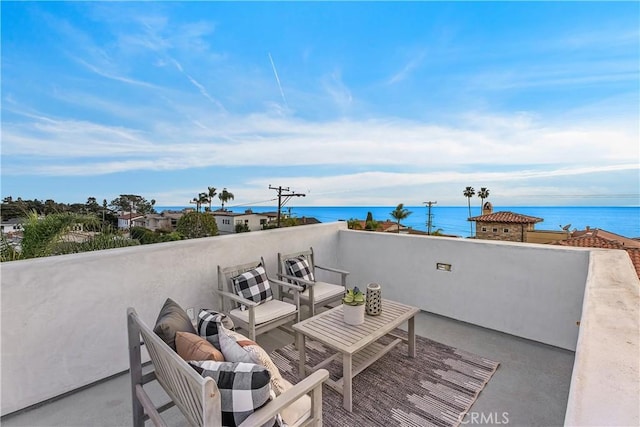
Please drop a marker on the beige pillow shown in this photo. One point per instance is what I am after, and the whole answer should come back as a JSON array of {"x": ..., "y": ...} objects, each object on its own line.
[{"x": 192, "y": 347}]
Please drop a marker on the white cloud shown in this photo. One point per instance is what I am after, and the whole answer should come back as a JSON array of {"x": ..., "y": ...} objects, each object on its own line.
[{"x": 255, "y": 140}]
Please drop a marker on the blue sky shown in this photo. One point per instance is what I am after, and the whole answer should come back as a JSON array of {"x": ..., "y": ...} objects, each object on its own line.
[{"x": 351, "y": 103}]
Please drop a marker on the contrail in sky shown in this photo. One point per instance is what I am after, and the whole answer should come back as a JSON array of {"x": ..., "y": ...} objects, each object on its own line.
[{"x": 275, "y": 72}]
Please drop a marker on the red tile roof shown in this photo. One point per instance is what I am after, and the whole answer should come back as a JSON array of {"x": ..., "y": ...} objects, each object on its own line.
[
  {"x": 603, "y": 239},
  {"x": 607, "y": 235},
  {"x": 507, "y": 218}
]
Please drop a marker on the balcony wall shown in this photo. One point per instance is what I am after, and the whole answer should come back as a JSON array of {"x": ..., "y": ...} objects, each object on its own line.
[
  {"x": 64, "y": 318},
  {"x": 64, "y": 325},
  {"x": 531, "y": 291}
]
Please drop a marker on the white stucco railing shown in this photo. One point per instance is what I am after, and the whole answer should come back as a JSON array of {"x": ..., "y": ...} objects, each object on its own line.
[
  {"x": 531, "y": 291},
  {"x": 64, "y": 317},
  {"x": 64, "y": 324},
  {"x": 605, "y": 383}
]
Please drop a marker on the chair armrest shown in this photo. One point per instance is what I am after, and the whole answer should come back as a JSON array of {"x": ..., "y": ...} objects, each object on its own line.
[
  {"x": 285, "y": 284},
  {"x": 297, "y": 279},
  {"x": 235, "y": 297},
  {"x": 335, "y": 270},
  {"x": 264, "y": 414}
]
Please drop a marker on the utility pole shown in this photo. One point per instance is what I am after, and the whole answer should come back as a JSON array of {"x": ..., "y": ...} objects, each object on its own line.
[
  {"x": 284, "y": 195},
  {"x": 429, "y": 216}
]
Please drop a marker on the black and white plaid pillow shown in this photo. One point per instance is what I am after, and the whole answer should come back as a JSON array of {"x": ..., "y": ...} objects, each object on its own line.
[
  {"x": 253, "y": 285},
  {"x": 244, "y": 388},
  {"x": 299, "y": 267},
  {"x": 208, "y": 322}
]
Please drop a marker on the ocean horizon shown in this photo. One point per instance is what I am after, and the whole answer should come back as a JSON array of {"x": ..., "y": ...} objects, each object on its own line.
[{"x": 622, "y": 220}]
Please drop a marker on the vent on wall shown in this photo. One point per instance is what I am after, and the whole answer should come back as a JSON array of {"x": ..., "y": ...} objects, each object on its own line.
[{"x": 443, "y": 267}]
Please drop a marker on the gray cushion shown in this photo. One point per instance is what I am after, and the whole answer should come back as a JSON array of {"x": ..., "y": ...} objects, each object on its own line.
[
  {"x": 172, "y": 319},
  {"x": 231, "y": 350}
]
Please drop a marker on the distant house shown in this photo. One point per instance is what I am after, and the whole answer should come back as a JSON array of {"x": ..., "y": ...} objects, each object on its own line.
[
  {"x": 126, "y": 220},
  {"x": 227, "y": 220},
  {"x": 167, "y": 220},
  {"x": 596, "y": 238},
  {"x": 505, "y": 225},
  {"x": 11, "y": 226}
]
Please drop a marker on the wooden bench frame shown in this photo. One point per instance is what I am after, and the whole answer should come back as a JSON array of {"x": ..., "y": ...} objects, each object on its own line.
[{"x": 197, "y": 397}]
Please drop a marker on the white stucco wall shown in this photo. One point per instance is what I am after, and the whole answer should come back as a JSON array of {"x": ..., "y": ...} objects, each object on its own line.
[
  {"x": 531, "y": 291},
  {"x": 605, "y": 384},
  {"x": 64, "y": 318}
]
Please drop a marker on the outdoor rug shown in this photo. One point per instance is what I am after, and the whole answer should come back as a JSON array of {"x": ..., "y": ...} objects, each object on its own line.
[{"x": 437, "y": 388}]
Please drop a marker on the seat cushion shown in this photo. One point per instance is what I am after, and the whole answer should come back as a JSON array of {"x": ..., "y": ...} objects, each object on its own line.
[
  {"x": 264, "y": 312},
  {"x": 172, "y": 319},
  {"x": 323, "y": 291},
  {"x": 253, "y": 285}
]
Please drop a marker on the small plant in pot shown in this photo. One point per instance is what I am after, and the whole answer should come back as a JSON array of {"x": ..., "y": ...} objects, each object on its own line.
[{"x": 353, "y": 306}]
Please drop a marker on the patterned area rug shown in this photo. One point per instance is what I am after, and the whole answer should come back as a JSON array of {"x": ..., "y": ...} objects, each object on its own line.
[{"x": 437, "y": 388}]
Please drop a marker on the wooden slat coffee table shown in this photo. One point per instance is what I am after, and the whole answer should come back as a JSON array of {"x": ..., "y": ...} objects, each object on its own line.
[{"x": 357, "y": 345}]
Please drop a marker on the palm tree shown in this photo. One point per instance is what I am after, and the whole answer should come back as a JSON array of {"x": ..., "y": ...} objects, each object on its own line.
[
  {"x": 483, "y": 194},
  {"x": 202, "y": 199},
  {"x": 212, "y": 193},
  {"x": 225, "y": 196},
  {"x": 469, "y": 192},
  {"x": 400, "y": 213}
]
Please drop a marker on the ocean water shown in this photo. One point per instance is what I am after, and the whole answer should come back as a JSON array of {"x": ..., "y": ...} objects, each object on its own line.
[{"x": 453, "y": 219}]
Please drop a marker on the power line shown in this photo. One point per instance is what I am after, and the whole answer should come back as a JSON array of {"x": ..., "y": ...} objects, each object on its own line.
[
  {"x": 286, "y": 194},
  {"x": 429, "y": 216}
]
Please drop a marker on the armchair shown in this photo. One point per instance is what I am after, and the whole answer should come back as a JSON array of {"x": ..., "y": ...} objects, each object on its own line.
[
  {"x": 300, "y": 268},
  {"x": 258, "y": 316}
]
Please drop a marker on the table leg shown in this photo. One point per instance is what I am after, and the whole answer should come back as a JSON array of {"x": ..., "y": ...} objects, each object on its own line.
[
  {"x": 412, "y": 337},
  {"x": 347, "y": 378},
  {"x": 301, "y": 353}
]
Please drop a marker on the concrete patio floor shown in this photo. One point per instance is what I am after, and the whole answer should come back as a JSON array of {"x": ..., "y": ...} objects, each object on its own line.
[{"x": 530, "y": 388}]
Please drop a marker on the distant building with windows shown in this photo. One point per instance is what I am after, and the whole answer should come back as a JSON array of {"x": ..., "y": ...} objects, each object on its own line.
[
  {"x": 227, "y": 220},
  {"x": 506, "y": 226}
]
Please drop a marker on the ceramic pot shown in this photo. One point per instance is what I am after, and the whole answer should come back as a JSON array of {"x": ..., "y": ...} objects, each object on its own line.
[
  {"x": 374, "y": 299},
  {"x": 353, "y": 314}
]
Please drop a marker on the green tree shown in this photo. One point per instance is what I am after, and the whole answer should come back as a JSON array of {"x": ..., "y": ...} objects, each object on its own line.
[
  {"x": 400, "y": 213},
  {"x": 354, "y": 224},
  {"x": 193, "y": 225},
  {"x": 242, "y": 228},
  {"x": 49, "y": 235},
  {"x": 483, "y": 194},
  {"x": 225, "y": 196},
  {"x": 128, "y": 201},
  {"x": 370, "y": 224}
]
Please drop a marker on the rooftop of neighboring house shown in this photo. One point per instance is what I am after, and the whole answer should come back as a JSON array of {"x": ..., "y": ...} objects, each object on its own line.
[
  {"x": 385, "y": 226},
  {"x": 596, "y": 238},
  {"x": 130, "y": 215},
  {"x": 506, "y": 217},
  {"x": 12, "y": 221},
  {"x": 308, "y": 220},
  {"x": 606, "y": 235}
]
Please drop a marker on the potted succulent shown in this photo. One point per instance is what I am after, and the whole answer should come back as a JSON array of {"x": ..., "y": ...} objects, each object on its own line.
[{"x": 353, "y": 306}]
